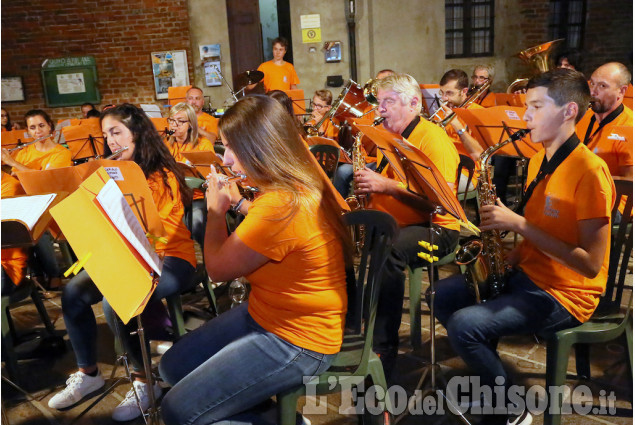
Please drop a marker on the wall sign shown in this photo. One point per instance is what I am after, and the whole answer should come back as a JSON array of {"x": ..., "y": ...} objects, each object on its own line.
[
  {"x": 70, "y": 81},
  {"x": 12, "y": 89},
  {"x": 169, "y": 69}
]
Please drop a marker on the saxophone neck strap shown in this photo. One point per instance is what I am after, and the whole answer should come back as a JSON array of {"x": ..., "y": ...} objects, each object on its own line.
[
  {"x": 548, "y": 167},
  {"x": 405, "y": 134}
]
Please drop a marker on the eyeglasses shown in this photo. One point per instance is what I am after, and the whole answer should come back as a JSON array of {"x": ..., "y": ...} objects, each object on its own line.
[
  {"x": 177, "y": 122},
  {"x": 319, "y": 107},
  {"x": 479, "y": 77}
]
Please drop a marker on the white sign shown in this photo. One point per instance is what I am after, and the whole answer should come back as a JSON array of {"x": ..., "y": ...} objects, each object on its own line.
[
  {"x": 512, "y": 115},
  {"x": 71, "y": 83},
  {"x": 309, "y": 21},
  {"x": 114, "y": 173}
]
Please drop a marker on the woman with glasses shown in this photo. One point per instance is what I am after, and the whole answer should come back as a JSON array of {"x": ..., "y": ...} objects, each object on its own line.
[
  {"x": 183, "y": 123},
  {"x": 320, "y": 105}
]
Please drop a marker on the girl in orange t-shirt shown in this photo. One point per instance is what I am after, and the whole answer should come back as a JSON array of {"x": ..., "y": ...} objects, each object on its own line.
[
  {"x": 291, "y": 246},
  {"x": 126, "y": 126},
  {"x": 183, "y": 124}
]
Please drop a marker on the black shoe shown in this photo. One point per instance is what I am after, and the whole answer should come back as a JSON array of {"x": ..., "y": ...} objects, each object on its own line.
[{"x": 524, "y": 418}]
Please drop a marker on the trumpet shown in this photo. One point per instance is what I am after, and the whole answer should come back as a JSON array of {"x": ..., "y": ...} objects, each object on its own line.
[{"x": 24, "y": 145}]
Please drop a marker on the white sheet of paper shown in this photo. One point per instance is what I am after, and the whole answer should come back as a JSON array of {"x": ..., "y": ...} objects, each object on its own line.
[
  {"x": 28, "y": 209},
  {"x": 114, "y": 203}
]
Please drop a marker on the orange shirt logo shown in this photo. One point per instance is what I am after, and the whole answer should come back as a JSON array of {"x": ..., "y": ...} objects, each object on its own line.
[{"x": 549, "y": 210}]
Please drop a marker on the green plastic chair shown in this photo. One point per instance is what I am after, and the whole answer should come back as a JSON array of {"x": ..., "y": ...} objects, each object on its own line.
[
  {"x": 328, "y": 157},
  {"x": 356, "y": 361},
  {"x": 608, "y": 322}
]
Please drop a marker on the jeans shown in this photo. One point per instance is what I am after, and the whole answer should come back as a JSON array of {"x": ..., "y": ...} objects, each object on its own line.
[
  {"x": 81, "y": 293},
  {"x": 45, "y": 261},
  {"x": 504, "y": 168},
  {"x": 404, "y": 253},
  {"x": 344, "y": 177},
  {"x": 221, "y": 370},
  {"x": 8, "y": 287},
  {"x": 474, "y": 329}
]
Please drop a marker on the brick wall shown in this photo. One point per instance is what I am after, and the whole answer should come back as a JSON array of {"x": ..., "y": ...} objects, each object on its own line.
[{"x": 119, "y": 34}]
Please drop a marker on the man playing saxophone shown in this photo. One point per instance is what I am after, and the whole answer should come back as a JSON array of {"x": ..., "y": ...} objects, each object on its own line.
[
  {"x": 399, "y": 99},
  {"x": 560, "y": 268}
]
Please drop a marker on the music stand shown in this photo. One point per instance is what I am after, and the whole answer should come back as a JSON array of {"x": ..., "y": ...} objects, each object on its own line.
[
  {"x": 84, "y": 140},
  {"x": 422, "y": 177},
  {"x": 100, "y": 240}
]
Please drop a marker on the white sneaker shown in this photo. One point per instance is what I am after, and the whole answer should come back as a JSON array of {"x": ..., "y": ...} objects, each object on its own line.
[
  {"x": 128, "y": 409},
  {"x": 78, "y": 386},
  {"x": 524, "y": 418}
]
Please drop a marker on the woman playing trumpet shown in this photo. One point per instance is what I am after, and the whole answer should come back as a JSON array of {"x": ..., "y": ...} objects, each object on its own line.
[
  {"x": 128, "y": 126},
  {"x": 44, "y": 153},
  {"x": 292, "y": 246}
]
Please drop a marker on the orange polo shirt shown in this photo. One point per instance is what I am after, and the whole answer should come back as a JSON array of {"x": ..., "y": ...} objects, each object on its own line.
[
  {"x": 171, "y": 211},
  {"x": 300, "y": 295},
  {"x": 13, "y": 259},
  {"x": 435, "y": 144},
  {"x": 581, "y": 188},
  {"x": 208, "y": 123},
  {"x": 458, "y": 143},
  {"x": 57, "y": 157},
  {"x": 278, "y": 77}
]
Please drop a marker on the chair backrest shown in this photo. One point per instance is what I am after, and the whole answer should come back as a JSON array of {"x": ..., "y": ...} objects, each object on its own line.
[
  {"x": 465, "y": 163},
  {"x": 328, "y": 157},
  {"x": 621, "y": 247},
  {"x": 379, "y": 231}
]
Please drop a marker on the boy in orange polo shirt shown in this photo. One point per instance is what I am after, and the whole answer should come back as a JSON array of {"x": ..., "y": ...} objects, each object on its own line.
[
  {"x": 560, "y": 268},
  {"x": 279, "y": 74}
]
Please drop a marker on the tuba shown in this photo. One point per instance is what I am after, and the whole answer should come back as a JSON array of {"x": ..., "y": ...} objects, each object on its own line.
[
  {"x": 538, "y": 57},
  {"x": 487, "y": 271}
]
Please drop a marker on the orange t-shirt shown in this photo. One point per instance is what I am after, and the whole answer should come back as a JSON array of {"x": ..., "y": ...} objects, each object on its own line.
[
  {"x": 57, "y": 157},
  {"x": 581, "y": 188},
  {"x": 278, "y": 77},
  {"x": 13, "y": 259},
  {"x": 458, "y": 144},
  {"x": 615, "y": 153},
  {"x": 177, "y": 148},
  {"x": 300, "y": 295},
  {"x": 171, "y": 211},
  {"x": 435, "y": 144},
  {"x": 208, "y": 123}
]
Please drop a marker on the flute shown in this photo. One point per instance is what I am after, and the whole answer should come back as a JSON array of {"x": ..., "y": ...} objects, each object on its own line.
[
  {"x": 117, "y": 153},
  {"x": 24, "y": 145},
  {"x": 226, "y": 179}
]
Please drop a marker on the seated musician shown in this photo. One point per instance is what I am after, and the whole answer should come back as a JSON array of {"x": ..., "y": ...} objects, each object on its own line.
[
  {"x": 571, "y": 59},
  {"x": 44, "y": 154},
  {"x": 608, "y": 85},
  {"x": 293, "y": 247},
  {"x": 481, "y": 75},
  {"x": 454, "y": 92},
  {"x": 183, "y": 122},
  {"x": 86, "y": 108},
  {"x": 128, "y": 126},
  {"x": 7, "y": 124},
  {"x": 321, "y": 103},
  {"x": 560, "y": 268},
  {"x": 399, "y": 100},
  {"x": 207, "y": 124}
]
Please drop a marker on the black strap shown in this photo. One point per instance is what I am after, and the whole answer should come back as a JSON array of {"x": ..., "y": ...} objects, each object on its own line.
[
  {"x": 405, "y": 134},
  {"x": 610, "y": 117},
  {"x": 548, "y": 167}
]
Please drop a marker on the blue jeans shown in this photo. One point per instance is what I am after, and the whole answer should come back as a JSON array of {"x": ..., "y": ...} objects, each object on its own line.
[
  {"x": 81, "y": 293},
  {"x": 223, "y": 369},
  {"x": 344, "y": 177},
  {"x": 474, "y": 329},
  {"x": 198, "y": 212}
]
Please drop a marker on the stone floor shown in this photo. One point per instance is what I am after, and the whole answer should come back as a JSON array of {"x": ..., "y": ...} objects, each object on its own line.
[{"x": 525, "y": 356}]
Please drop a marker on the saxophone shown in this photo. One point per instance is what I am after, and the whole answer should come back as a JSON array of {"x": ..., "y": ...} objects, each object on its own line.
[
  {"x": 357, "y": 202},
  {"x": 486, "y": 272}
]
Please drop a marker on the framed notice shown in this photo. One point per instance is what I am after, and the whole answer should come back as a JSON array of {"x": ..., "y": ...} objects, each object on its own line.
[
  {"x": 169, "y": 69},
  {"x": 70, "y": 81},
  {"x": 12, "y": 89}
]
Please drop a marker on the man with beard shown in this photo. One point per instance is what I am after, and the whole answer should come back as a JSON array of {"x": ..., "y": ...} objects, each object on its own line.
[{"x": 608, "y": 85}]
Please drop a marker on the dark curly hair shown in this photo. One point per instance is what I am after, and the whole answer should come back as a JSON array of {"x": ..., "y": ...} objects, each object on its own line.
[{"x": 150, "y": 153}]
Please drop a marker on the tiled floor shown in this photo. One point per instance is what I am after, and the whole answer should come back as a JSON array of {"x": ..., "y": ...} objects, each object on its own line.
[{"x": 522, "y": 355}]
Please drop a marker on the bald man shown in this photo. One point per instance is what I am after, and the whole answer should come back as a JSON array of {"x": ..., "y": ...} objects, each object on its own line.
[
  {"x": 207, "y": 124},
  {"x": 608, "y": 86}
]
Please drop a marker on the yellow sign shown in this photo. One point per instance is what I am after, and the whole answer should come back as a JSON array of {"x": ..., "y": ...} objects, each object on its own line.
[{"x": 312, "y": 35}]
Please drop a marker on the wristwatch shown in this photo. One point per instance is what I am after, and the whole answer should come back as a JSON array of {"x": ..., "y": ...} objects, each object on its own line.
[
  {"x": 236, "y": 208},
  {"x": 461, "y": 131}
]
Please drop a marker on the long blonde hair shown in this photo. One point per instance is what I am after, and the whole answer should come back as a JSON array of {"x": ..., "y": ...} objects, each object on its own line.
[
  {"x": 265, "y": 140},
  {"x": 192, "y": 132}
]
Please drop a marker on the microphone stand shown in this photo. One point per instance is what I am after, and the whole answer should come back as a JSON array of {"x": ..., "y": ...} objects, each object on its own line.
[{"x": 231, "y": 90}]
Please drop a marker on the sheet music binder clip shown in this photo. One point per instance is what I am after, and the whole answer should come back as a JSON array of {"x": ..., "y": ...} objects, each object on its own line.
[
  {"x": 78, "y": 265},
  {"x": 429, "y": 257}
]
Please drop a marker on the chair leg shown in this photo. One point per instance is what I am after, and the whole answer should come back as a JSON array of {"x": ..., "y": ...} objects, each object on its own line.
[
  {"x": 175, "y": 308},
  {"x": 628, "y": 334},
  {"x": 376, "y": 371},
  {"x": 582, "y": 361},
  {"x": 557, "y": 361},
  {"x": 414, "y": 282},
  {"x": 209, "y": 293},
  {"x": 8, "y": 350},
  {"x": 37, "y": 300},
  {"x": 286, "y": 409}
]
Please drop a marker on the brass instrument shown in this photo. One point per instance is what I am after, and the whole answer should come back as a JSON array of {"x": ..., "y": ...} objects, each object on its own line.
[
  {"x": 538, "y": 57},
  {"x": 370, "y": 92},
  {"x": 487, "y": 271},
  {"x": 472, "y": 97},
  {"x": 357, "y": 202}
]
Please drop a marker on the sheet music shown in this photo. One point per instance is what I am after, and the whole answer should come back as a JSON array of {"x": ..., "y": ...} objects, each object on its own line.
[
  {"x": 113, "y": 202},
  {"x": 27, "y": 209}
]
